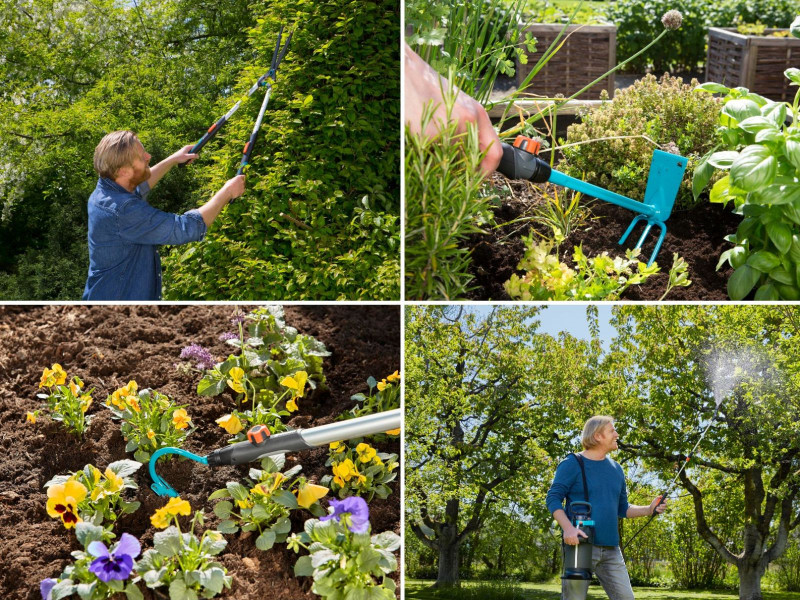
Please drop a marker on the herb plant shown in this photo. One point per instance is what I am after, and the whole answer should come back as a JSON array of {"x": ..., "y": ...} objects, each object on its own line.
[
  {"x": 150, "y": 420},
  {"x": 762, "y": 157},
  {"x": 264, "y": 504},
  {"x": 89, "y": 495},
  {"x": 182, "y": 561},
  {"x": 66, "y": 404},
  {"x": 360, "y": 470},
  {"x": 98, "y": 571},
  {"x": 344, "y": 560}
]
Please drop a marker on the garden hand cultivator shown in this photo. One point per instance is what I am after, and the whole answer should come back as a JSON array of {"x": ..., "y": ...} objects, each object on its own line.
[
  {"x": 260, "y": 444},
  {"x": 520, "y": 161},
  {"x": 263, "y": 81}
]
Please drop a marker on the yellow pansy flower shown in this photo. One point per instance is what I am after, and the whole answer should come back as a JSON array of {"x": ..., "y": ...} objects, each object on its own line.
[
  {"x": 394, "y": 431},
  {"x": 74, "y": 388},
  {"x": 244, "y": 503},
  {"x": 337, "y": 447},
  {"x": 60, "y": 374},
  {"x": 268, "y": 487},
  {"x": 230, "y": 423},
  {"x": 296, "y": 383},
  {"x": 180, "y": 419},
  {"x": 382, "y": 385},
  {"x": 114, "y": 482},
  {"x": 96, "y": 474},
  {"x": 365, "y": 452},
  {"x": 63, "y": 500},
  {"x": 48, "y": 379},
  {"x": 86, "y": 402},
  {"x": 151, "y": 434},
  {"x": 160, "y": 519},
  {"x": 308, "y": 493},
  {"x": 30, "y": 417},
  {"x": 174, "y": 507},
  {"x": 291, "y": 405},
  {"x": 236, "y": 382},
  {"x": 344, "y": 471},
  {"x": 394, "y": 377},
  {"x": 133, "y": 402}
]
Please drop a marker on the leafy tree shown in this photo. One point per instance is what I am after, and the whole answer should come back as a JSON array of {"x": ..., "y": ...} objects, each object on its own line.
[
  {"x": 675, "y": 361},
  {"x": 481, "y": 421}
]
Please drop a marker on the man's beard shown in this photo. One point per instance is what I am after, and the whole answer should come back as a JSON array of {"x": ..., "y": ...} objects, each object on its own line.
[{"x": 141, "y": 176}]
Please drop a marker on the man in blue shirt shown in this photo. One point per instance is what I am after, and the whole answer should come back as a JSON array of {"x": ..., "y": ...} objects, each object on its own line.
[
  {"x": 125, "y": 231},
  {"x": 608, "y": 495}
]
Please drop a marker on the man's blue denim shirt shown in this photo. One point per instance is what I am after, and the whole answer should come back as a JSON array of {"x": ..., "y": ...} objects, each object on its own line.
[{"x": 124, "y": 235}]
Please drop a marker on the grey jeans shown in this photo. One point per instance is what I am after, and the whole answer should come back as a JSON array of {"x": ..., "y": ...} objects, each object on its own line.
[{"x": 609, "y": 566}]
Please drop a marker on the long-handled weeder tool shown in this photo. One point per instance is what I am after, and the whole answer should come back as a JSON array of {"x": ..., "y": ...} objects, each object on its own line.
[
  {"x": 666, "y": 173},
  {"x": 263, "y": 81},
  {"x": 260, "y": 444}
]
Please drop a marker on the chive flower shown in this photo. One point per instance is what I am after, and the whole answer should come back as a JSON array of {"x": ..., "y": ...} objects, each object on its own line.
[
  {"x": 116, "y": 563},
  {"x": 228, "y": 335},
  {"x": 672, "y": 19},
  {"x": 352, "y": 511}
]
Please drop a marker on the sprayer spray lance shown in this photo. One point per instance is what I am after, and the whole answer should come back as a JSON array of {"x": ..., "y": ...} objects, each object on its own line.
[
  {"x": 663, "y": 494},
  {"x": 277, "y": 57},
  {"x": 260, "y": 444}
]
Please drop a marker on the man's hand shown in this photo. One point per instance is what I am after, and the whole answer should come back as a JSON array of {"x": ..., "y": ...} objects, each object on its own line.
[
  {"x": 422, "y": 85},
  {"x": 233, "y": 188},
  {"x": 657, "y": 505},
  {"x": 571, "y": 534},
  {"x": 182, "y": 156}
]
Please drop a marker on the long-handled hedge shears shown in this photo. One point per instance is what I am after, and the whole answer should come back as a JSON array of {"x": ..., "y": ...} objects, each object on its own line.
[
  {"x": 277, "y": 57},
  {"x": 260, "y": 444}
]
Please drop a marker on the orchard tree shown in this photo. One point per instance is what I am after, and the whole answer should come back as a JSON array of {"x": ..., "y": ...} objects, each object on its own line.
[
  {"x": 486, "y": 404},
  {"x": 685, "y": 365}
]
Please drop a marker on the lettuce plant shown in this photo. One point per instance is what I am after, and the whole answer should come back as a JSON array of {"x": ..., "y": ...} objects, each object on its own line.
[
  {"x": 66, "y": 403},
  {"x": 150, "y": 420},
  {"x": 91, "y": 495},
  {"x": 264, "y": 504},
  {"x": 360, "y": 470},
  {"x": 98, "y": 571},
  {"x": 183, "y": 562},
  {"x": 343, "y": 559},
  {"x": 761, "y": 155}
]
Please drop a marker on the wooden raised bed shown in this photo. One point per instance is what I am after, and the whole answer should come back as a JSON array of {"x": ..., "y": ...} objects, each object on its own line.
[
  {"x": 588, "y": 51},
  {"x": 754, "y": 62}
]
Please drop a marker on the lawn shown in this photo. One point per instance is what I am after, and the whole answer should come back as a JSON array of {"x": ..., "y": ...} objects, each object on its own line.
[{"x": 420, "y": 590}]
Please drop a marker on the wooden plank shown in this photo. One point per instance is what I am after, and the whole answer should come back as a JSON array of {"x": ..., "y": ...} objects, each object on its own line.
[{"x": 532, "y": 106}]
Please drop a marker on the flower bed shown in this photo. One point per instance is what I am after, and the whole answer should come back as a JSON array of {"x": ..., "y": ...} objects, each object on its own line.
[{"x": 107, "y": 347}]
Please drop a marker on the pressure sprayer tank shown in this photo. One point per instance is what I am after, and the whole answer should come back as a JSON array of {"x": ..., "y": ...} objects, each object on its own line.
[{"x": 578, "y": 559}]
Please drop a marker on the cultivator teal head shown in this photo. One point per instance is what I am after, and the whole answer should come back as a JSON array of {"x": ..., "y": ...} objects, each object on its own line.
[
  {"x": 260, "y": 444},
  {"x": 520, "y": 161}
]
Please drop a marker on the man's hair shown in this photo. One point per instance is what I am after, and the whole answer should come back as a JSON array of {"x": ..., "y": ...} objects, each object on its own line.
[
  {"x": 592, "y": 426},
  {"x": 115, "y": 150}
]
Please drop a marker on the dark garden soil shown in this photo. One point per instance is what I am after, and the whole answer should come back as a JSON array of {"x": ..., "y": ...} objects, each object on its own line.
[
  {"x": 697, "y": 235},
  {"x": 106, "y": 347}
]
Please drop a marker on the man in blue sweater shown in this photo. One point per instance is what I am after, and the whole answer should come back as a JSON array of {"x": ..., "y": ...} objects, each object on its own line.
[{"x": 608, "y": 495}]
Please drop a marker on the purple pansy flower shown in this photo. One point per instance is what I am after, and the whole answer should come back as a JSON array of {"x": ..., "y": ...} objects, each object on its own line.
[
  {"x": 357, "y": 510},
  {"x": 200, "y": 354},
  {"x": 116, "y": 564},
  {"x": 46, "y": 586}
]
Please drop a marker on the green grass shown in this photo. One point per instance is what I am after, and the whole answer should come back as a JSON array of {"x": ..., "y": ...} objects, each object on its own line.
[
  {"x": 553, "y": 10},
  {"x": 420, "y": 590}
]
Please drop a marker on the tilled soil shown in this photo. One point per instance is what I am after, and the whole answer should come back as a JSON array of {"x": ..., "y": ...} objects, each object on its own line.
[
  {"x": 697, "y": 235},
  {"x": 107, "y": 346}
]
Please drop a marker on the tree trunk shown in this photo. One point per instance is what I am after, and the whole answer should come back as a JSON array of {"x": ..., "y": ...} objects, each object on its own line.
[
  {"x": 448, "y": 565},
  {"x": 750, "y": 582}
]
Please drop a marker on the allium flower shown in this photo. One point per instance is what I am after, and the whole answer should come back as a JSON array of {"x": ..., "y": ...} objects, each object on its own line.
[
  {"x": 228, "y": 335},
  {"x": 671, "y": 147},
  {"x": 45, "y": 586},
  {"x": 238, "y": 317},
  {"x": 352, "y": 511},
  {"x": 117, "y": 563},
  {"x": 672, "y": 19},
  {"x": 202, "y": 356}
]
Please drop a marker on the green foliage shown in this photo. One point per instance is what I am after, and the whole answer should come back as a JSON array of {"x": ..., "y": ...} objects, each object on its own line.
[
  {"x": 75, "y": 71},
  {"x": 788, "y": 572},
  {"x": 104, "y": 501},
  {"x": 639, "y": 21},
  {"x": 762, "y": 155},
  {"x": 597, "y": 278},
  {"x": 150, "y": 420},
  {"x": 560, "y": 11},
  {"x": 320, "y": 219},
  {"x": 264, "y": 503},
  {"x": 345, "y": 564},
  {"x": 562, "y": 211},
  {"x": 444, "y": 204},
  {"x": 185, "y": 563},
  {"x": 66, "y": 404},
  {"x": 383, "y": 395},
  {"x": 666, "y": 111}
]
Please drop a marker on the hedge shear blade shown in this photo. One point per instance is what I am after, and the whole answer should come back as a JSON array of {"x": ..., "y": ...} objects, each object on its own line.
[
  {"x": 260, "y": 443},
  {"x": 277, "y": 57}
]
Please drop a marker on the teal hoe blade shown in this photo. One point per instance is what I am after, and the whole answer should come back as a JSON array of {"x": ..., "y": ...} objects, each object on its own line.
[{"x": 666, "y": 173}]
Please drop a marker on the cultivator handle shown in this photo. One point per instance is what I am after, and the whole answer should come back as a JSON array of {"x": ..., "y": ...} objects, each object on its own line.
[{"x": 305, "y": 439}]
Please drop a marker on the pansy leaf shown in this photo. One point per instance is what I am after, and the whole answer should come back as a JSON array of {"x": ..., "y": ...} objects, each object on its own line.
[
  {"x": 210, "y": 386},
  {"x": 213, "y": 579},
  {"x": 266, "y": 540},
  {"x": 214, "y": 543},
  {"x": 62, "y": 589},
  {"x": 85, "y": 590},
  {"x": 227, "y": 527},
  {"x": 285, "y": 498},
  {"x": 168, "y": 542},
  {"x": 125, "y": 468},
  {"x": 223, "y": 509},
  {"x": 179, "y": 591},
  {"x": 303, "y": 568},
  {"x": 87, "y": 533},
  {"x": 132, "y": 592},
  {"x": 237, "y": 490},
  {"x": 220, "y": 494}
]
